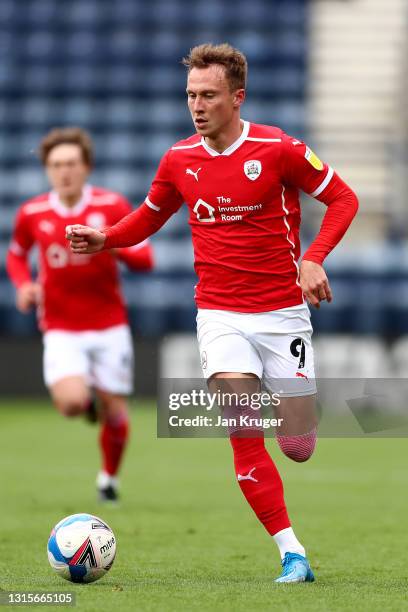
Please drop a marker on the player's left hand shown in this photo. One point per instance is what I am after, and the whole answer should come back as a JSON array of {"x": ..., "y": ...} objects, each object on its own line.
[{"x": 314, "y": 283}]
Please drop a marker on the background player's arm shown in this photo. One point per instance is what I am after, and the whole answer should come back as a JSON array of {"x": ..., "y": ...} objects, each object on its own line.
[
  {"x": 138, "y": 258},
  {"x": 28, "y": 291}
]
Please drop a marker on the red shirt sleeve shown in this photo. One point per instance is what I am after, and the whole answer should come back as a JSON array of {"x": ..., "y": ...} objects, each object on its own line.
[
  {"x": 138, "y": 257},
  {"x": 342, "y": 206},
  {"x": 301, "y": 168},
  {"x": 161, "y": 203},
  {"x": 17, "y": 264}
]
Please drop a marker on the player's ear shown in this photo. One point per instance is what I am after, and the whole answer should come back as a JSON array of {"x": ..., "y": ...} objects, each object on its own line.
[{"x": 239, "y": 97}]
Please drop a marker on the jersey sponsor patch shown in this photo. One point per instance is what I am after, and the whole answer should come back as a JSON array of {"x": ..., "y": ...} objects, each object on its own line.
[
  {"x": 253, "y": 169},
  {"x": 313, "y": 159},
  {"x": 204, "y": 211}
]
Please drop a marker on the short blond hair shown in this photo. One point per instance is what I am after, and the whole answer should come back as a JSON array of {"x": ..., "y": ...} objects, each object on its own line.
[
  {"x": 233, "y": 61},
  {"x": 67, "y": 135}
]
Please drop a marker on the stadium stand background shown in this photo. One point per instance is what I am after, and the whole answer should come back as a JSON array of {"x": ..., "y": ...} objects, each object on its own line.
[{"x": 326, "y": 71}]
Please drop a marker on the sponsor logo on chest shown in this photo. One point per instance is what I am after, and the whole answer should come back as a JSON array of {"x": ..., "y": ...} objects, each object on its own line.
[{"x": 224, "y": 210}]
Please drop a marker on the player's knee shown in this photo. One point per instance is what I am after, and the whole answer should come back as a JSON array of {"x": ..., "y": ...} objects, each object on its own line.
[
  {"x": 298, "y": 448},
  {"x": 71, "y": 407}
]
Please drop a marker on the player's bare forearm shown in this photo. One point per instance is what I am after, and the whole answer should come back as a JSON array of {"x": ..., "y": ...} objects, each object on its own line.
[
  {"x": 314, "y": 283},
  {"x": 84, "y": 239}
]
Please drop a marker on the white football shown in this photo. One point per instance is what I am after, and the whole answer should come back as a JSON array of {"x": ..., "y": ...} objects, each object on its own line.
[{"x": 81, "y": 548}]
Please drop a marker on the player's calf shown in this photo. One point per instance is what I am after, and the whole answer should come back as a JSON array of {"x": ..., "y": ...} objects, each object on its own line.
[
  {"x": 297, "y": 435},
  {"x": 298, "y": 448},
  {"x": 113, "y": 440}
]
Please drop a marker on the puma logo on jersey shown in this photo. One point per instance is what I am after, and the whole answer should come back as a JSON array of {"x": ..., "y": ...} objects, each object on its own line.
[
  {"x": 46, "y": 226},
  {"x": 247, "y": 476},
  {"x": 300, "y": 375},
  {"x": 195, "y": 174}
]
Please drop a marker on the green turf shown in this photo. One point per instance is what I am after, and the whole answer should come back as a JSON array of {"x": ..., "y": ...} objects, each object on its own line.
[{"x": 186, "y": 538}]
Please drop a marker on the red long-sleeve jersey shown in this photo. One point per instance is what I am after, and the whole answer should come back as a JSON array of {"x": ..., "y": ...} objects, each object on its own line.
[
  {"x": 79, "y": 292},
  {"x": 244, "y": 215}
]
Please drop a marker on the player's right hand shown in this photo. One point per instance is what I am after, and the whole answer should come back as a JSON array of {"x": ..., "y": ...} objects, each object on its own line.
[
  {"x": 28, "y": 296},
  {"x": 84, "y": 239}
]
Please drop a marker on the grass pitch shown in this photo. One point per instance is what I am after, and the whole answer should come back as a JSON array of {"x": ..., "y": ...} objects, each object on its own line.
[{"x": 186, "y": 538}]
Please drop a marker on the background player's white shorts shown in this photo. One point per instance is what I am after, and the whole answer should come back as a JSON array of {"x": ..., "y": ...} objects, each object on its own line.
[
  {"x": 104, "y": 358},
  {"x": 275, "y": 345}
]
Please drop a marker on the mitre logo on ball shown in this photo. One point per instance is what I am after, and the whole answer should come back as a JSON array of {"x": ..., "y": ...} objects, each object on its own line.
[{"x": 253, "y": 169}]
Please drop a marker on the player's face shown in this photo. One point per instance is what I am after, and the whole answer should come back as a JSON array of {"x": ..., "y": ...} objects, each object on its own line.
[
  {"x": 212, "y": 104},
  {"x": 67, "y": 171}
]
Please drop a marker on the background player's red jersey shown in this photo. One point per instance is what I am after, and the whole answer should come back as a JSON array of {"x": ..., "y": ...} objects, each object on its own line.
[
  {"x": 80, "y": 292},
  {"x": 244, "y": 215}
]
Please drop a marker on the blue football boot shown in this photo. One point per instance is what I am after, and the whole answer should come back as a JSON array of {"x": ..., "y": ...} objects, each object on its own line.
[{"x": 295, "y": 569}]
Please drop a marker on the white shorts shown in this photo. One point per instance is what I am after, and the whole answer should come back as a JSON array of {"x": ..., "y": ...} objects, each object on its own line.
[
  {"x": 275, "y": 346},
  {"x": 104, "y": 358}
]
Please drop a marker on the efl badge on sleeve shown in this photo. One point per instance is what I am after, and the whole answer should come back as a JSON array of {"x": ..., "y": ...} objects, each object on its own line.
[
  {"x": 313, "y": 159},
  {"x": 253, "y": 169}
]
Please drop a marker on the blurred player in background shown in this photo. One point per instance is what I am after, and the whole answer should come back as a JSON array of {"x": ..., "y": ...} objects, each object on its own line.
[
  {"x": 241, "y": 183},
  {"x": 87, "y": 341}
]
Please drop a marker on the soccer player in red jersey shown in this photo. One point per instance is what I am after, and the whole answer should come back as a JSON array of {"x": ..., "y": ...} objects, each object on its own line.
[
  {"x": 87, "y": 340},
  {"x": 241, "y": 184}
]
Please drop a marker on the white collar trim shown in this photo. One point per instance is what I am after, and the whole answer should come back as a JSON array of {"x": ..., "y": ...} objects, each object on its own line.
[
  {"x": 235, "y": 145},
  {"x": 71, "y": 211}
]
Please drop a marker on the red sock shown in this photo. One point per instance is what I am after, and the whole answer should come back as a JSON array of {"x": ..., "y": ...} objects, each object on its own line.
[
  {"x": 260, "y": 482},
  {"x": 113, "y": 438}
]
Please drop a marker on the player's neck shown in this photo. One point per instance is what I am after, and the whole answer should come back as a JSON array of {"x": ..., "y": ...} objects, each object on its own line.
[
  {"x": 70, "y": 201},
  {"x": 226, "y": 138}
]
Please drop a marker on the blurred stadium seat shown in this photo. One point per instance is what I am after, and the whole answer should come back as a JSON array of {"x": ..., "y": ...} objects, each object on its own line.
[{"x": 114, "y": 68}]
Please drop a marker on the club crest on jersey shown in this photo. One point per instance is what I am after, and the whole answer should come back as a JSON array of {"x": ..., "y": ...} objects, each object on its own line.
[{"x": 253, "y": 169}]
